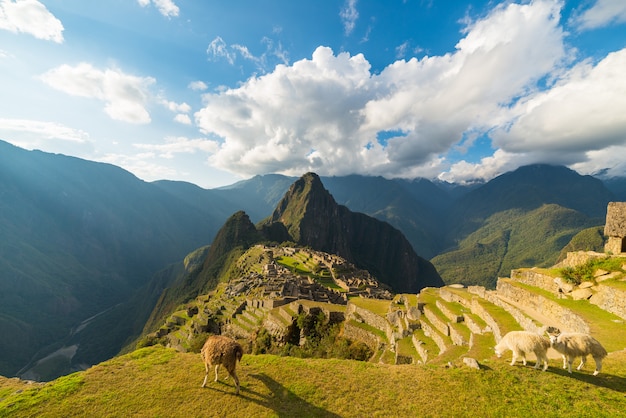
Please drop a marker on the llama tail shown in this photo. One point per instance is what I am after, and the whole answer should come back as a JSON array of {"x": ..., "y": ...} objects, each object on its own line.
[{"x": 239, "y": 352}]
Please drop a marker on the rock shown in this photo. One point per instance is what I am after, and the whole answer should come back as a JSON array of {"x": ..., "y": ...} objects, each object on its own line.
[
  {"x": 607, "y": 276},
  {"x": 581, "y": 294},
  {"x": 600, "y": 272},
  {"x": 563, "y": 285},
  {"x": 471, "y": 362},
  {"x": 456, "y": 286},
  {"x": 585, "y": 285}
]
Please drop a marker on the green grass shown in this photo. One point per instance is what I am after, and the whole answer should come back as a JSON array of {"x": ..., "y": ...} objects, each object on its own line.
[
  {"x": 377, "y": 306},
  {"x": 159, "y": 382}
]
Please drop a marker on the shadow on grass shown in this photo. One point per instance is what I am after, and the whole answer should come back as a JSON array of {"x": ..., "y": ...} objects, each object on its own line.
[
  {"x": 282, "y": 401},
  {"x": 608, "y": 381}
]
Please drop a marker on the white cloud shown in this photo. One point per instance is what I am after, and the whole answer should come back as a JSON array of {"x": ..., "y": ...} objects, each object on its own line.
[
  {"x": 176, "y": 107},
  {"x": 325, "y": 114},
  {"x": 198, "y": 85},
  {"x": 273, "y": 53},
  {"x": 602, "y": 13},
  {"x": 125, "y": 96},
  {"x": 180, "y": 145},
  {"x": 218, "y": 49},
  {"x": 32, "y": 17},
  {"x": 166, "y": 7},
  {"x": 141, "y": 165},
  {"x": 585, "y": 110},
  {"x": 349, "y": 15},
  {"x": 183, "y": 118},
  {"x": 46, "y": 130}
]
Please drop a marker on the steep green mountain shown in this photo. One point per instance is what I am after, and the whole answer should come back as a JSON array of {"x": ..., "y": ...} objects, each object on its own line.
[
  {"x": 308, "y": 216},
  {"x": 312, "y": 218},
  {"x": 509, "y": 239},
  {"x": 78, "y": 238},
  {"x": 526, "y": 189},
  {"x": 590, "y": 239},
  {"x": 415, "y": 207},
  {"x": 235, "y": 236},
  {"x": 522, "y": 218}
]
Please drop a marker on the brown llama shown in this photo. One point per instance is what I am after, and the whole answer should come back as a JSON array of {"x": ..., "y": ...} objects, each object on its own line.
[{"x": 219, "y": 349}]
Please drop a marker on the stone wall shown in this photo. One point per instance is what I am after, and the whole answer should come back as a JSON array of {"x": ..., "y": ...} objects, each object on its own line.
[
  {"x": 610, "y": 299},
  {"x": 436, "y": 322},
  {"x": 369, "y": 318},
  {"x": 576, "y": 258},
  {"x": 527, "y": 323},
  {"x": 535, "y": 278},
  {"x": 420, "y": 347},
  {"x": 432, "y": 333},
  {"x": 615, "y": 225},
  {"x": 548, "y": 308},
  {"x": 355, "y": 333},
  {"x": 448, "y": 313}
]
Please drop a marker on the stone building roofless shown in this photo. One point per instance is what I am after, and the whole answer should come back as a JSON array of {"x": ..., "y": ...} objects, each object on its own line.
[{"x": 615, "y": 227}]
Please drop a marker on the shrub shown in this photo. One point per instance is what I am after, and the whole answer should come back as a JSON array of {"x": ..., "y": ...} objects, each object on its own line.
[{"x": 585, "y": 272}]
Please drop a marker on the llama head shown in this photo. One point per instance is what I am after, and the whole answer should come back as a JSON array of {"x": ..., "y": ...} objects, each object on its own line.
[
  {"x": 497, "y": 351},
  {"x": 550, "y": 330},
  {"x": 553, "y": 339}
]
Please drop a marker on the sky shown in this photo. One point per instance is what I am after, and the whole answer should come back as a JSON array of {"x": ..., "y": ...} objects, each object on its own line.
[{"x": 213, "y": 92}]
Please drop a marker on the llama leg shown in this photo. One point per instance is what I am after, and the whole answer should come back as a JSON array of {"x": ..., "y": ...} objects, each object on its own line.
[
  {"x": 598, "y": 366},
  {"x": 564, "y": 361},
  {"x": 217, "y": 366},
  {"x": 523, "y": 358},
  {"x": 235, "y": 378},
  {"x": 538, "y": 360},
  {"x": 570, "y": 360},
  {"x": 545, "y": 361},
  {"x": 583, "y": 360},
  {"x": 514, "y": 359},
  {"x": 206, "y": 373}
]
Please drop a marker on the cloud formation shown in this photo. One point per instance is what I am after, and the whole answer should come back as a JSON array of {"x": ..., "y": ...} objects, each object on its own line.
[
  {"x": 46, "y": 130},
  {"x": 166, "y": 7},
  {"x": 125, "y": 95},
  {"x": 349, "y": 15},
  {"x": 274, "y": 53},
  {"x": 332, "y": 115},
  {"x": 602, "y": 13},
  {"x": 32, "y": 17}
]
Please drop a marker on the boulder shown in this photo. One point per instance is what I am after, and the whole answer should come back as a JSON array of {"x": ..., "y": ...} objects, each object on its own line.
[
  {"x": 471, "y": 362},
  {"x": 582, "y": 294}
]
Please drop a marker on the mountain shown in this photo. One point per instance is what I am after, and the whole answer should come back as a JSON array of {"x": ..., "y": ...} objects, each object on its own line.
[
  {"x": 79, "y": 238},
  {"x": 521, "y": 218},
  {"x": 415, "y": 207},
  {"x": 308, "y": 216},
  {"x": 312, "y": 218}
]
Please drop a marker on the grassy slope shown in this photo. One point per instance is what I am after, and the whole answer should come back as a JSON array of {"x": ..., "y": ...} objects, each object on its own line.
[{"x": 161, "y": 382}]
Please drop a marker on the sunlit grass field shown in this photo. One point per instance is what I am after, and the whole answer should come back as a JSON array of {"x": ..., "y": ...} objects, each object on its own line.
[{"x": 160, "y": 382}]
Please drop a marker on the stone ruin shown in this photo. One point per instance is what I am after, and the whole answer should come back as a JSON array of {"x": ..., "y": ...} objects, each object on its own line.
[{"x": 615, "y": 228}]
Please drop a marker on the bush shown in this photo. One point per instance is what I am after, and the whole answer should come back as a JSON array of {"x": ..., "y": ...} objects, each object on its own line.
[{"x": 585, "y": 272}]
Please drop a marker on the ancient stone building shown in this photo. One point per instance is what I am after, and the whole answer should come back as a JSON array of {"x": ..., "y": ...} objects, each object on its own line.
[{"x": 615, "y": 228}]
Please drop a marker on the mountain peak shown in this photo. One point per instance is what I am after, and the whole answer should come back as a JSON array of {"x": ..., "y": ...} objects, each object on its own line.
[
  {"x": 312, "y": 218},
  {"x": 305, "y": 202}
]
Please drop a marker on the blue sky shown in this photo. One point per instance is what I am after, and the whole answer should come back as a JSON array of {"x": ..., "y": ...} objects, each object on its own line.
[{"x": 212, "y": 92}]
